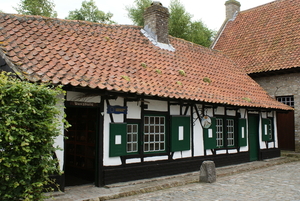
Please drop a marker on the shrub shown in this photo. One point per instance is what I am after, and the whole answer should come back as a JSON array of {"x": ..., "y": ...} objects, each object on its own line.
[{"x": 29, "y": 124}]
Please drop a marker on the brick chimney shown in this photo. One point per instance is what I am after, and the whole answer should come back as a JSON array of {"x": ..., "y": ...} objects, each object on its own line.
[
  {"x": 232, "y": 6},
  {"x": 156, "y": 20}
]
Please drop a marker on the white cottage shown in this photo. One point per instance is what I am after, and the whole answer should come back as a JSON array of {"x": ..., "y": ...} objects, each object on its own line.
[{"x": 141, "y": 103}]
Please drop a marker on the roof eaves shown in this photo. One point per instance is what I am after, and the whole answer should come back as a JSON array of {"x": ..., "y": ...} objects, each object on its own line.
[{"x": 12, "y": 65}]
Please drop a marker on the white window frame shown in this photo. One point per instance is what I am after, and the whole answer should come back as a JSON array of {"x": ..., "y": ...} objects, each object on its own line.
[
  {"x": 132, "y": 138},
  {"x": 154, "y": 133}
]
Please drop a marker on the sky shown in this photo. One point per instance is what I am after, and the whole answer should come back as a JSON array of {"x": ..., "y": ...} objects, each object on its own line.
[{"x": 210, "y": 12}]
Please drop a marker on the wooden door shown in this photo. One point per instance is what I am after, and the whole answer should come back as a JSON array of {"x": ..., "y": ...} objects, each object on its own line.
[
  {"x": 253, "y": 132},
  {"x": 286, "y": 130}
]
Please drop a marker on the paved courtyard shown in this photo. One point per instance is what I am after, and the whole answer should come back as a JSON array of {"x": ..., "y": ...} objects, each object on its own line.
[{"x": 279, "y": 182}]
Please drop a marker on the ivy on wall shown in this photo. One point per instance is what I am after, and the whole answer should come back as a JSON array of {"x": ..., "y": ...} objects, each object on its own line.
[{"x": 29, "y": 124}]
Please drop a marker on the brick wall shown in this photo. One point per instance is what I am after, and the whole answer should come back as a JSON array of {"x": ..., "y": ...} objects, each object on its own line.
[{"x": 285, "y": 85}]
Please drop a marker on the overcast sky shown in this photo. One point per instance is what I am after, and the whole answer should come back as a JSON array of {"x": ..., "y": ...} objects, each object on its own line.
[{"x": 211, "y": 12}]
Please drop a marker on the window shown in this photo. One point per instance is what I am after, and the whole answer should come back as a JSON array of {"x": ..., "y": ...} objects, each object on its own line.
[
  {"x": 219, "y": 132},
  {"x": 230, "y": 132},
  {"x": 227, "y": 136},
  {"x": 132, "y": 138},
  {"x": 288, "y": 100},
  {"x": 154, "y": 133}
]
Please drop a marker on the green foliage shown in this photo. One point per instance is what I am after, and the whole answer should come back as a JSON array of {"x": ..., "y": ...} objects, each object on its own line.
[
  {"x": 28, "y": 126},
  {"x": 37, "y": 7},
  {"x": 90, "y": 12},
  {"x": 180, "y": 22},
  {"x": 126, "y": 78},
  {"x": 136, "y": 13},
  {"x": 207, "y": 79}
]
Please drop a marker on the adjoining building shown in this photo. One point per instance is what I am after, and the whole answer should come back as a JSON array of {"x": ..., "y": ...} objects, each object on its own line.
[{"x": 264, "y": 41}]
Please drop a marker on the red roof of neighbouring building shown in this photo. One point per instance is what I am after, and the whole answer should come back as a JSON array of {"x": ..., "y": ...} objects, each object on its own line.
[
  {"x": 120, "y": 58},
  {"x": 265, "y": 38}
]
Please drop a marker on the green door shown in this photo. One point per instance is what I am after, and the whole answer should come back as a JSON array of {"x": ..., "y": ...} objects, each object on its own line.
[{"x": 253, "y": 131}]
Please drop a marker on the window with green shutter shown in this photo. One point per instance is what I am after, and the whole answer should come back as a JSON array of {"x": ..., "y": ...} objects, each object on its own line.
[
  {"x": 222, "y": 133},
  {"x": 267, "y": 129},
  {"x": 180, "y": 133}
]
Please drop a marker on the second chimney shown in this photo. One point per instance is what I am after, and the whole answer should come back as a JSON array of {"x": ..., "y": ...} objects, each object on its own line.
[
  {"x": 156, "y": 21},
  {"x": 232, "y": 6}
]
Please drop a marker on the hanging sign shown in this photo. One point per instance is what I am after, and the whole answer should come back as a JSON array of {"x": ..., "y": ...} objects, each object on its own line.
[
  {"x": 206, "y": 122},
  {"x": 116, "y": 109}
]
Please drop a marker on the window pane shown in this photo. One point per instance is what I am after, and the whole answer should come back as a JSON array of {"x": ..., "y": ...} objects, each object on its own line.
[
  {"x": 146, "y": 120},
  {"x": 134, "y": 148},
  {"x": 134, "y": 137},
  {"x": 151, "y": 129},
  {"x": 162, "y": 120},
  {"x": 134, "y": 128},
  {"x": 151, "y": 120}
]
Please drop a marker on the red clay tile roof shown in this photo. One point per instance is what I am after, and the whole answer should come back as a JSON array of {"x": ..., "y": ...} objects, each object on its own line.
[
  {"x": 265, "y": 38},
  {"x": 121, "y": 58}
]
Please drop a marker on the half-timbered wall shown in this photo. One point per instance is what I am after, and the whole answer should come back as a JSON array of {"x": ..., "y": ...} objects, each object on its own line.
[{"x": 141, "y": 110}]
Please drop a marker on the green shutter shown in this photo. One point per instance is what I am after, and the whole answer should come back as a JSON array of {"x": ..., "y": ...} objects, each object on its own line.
[
  {"x": 242, "y": 132},
  {"x": 180, "y": 133},
  {"x": 210, "y": 135},
  {"x": 267, "y": 130},
  {"x": 117, "y": 139}
]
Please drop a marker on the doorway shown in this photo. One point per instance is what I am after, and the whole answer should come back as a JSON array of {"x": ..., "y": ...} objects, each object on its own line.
[
  {"x": 253, "y": 131},
  {"x": 286, "y": 130},
  {"x": 80, "y": 146}
]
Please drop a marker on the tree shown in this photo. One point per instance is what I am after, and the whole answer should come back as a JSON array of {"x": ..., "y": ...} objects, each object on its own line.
[
  {"x": 29, "y": 124},
  {"x": 180, "y": 22},
  {"x": 136, "y": 13},
  {"x": 37, "y": 7},
  {"x": 90, "y": 12}
]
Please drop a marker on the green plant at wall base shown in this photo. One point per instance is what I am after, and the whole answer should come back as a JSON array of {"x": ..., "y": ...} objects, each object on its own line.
[
  {"x": 181, "y": 72},
  {"x": 158, "y": 71},
  {"x": 125, "y": 77},
  {"x": 29, "y": 124},
  {"x": 206, "y": 79}
]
